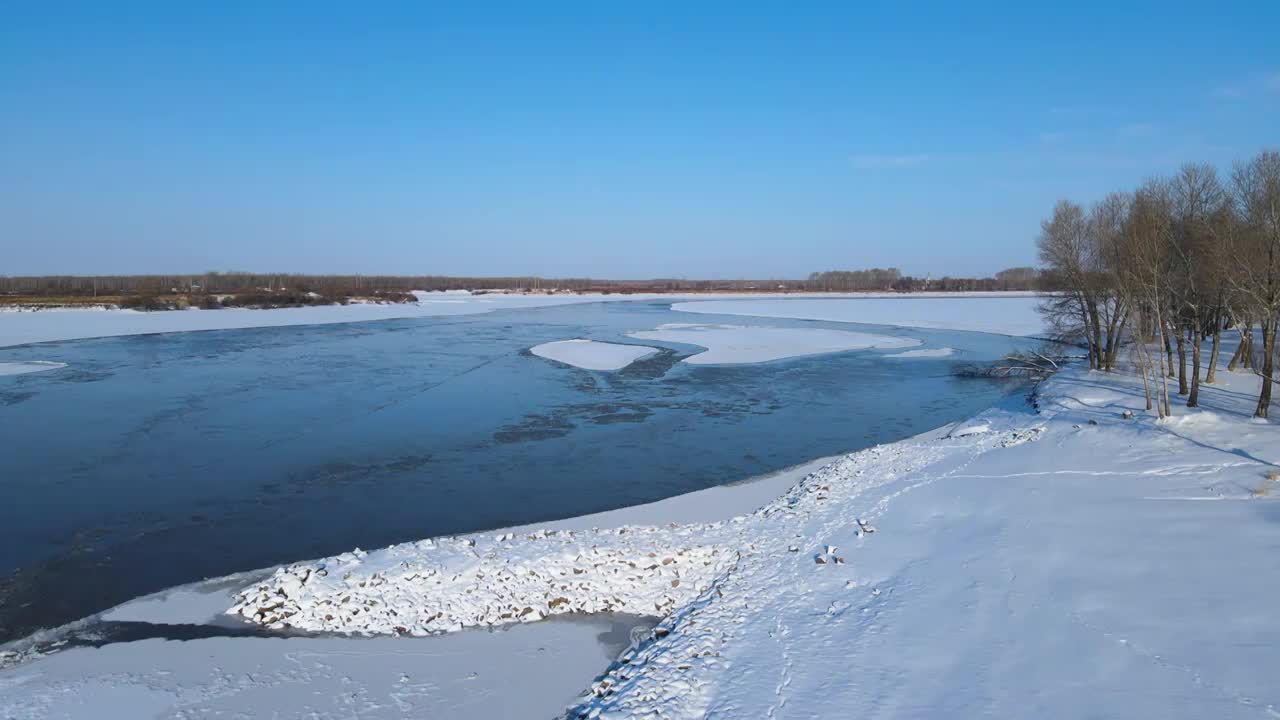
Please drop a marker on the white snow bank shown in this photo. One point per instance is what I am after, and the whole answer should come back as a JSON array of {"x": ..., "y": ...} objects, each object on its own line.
[
  {"x": 735, "y": 344},
  {"x": 503, "y": 577},
  {"x": 997, "y": 563},
  {"x": 928, "y": 353},
  {"x": 592, "y": 355},
  {"x": 965, "y": 429},
  {"x": 447, "y": 584},
  {"x": 1005, "y": 315},
  {"x": 30, "y": 366},
  {"x": 442, "y": 586}
]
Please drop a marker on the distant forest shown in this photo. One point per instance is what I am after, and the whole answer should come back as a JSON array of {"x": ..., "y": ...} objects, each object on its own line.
[{"x": 219, "y": 283}]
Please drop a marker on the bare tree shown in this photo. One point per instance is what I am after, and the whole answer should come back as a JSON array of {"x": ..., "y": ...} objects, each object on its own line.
[
  {"x": 1080, "y": 253},
  {"x": 1196, "y": 194},
  {"x": 1223, "y": 227},
  {"x": 1107, "y": 228},
  {"x": 1256, "y": 268},
  {"x": 1144, "y": 275}
]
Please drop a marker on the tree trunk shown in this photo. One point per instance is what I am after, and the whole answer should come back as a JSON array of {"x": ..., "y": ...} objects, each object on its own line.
[
  {"x": 1114, "y": 329},
  {"x": 1268, "y": 366},
  {"x": 1182, "y": 364},
  {"x": 1242, "y": 348},
  {"x": 1097, "y": 335},
  {"x": 1213, "y": 357},
  {"x": 1144, "y": 367},
  {"x": 1193, "y": 400},
  {"x": 1164, "y": 377},
  {"x": 1088, "y": 334},
  {"x": 1168, "y": 350}
]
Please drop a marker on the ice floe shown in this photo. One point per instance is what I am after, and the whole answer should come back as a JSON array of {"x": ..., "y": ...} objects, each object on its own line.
[
  {"x": 29, "y": 366},
  {"x": 591, "y": 354},
  {"x": 925, "y": 353},
  {"x": 737, "y": 344}
]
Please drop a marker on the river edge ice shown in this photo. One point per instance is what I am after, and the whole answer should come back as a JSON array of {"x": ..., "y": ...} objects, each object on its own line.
[
  {"x": 741, "y": 344},
  {"x": 28, "y": 327},
  {"x": 1016, "y": 314},
  {"x": 925, "y": 353},
  {"x": 1062, "y": 562}
]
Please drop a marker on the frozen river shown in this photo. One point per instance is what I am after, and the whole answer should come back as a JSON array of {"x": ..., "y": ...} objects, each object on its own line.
[{"x": 151, "y": 461}]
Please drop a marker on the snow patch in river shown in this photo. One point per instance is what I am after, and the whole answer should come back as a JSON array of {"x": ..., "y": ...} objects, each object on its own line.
[
  {"x": 737, "y": 344},
  {"x": 592, "y": 355},
  {"x": 927, "y": 353},
  {"x": 30, "y": 366}
]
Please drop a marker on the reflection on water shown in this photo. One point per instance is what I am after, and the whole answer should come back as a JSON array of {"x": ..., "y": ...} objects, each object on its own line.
[{"x": 153, "y": 461}]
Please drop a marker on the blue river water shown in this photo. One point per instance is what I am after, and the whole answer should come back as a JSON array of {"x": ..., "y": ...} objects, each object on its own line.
[{"x": 152, "y": 461}]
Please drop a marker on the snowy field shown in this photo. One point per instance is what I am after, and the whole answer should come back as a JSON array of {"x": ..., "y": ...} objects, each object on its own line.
[
  {"x": 735, "y": 344},
  {"x": 592, "y": 355},
  {"x": 1013, "y": 313}
]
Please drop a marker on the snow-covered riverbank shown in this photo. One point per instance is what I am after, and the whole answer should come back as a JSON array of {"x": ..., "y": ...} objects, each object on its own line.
[
  {"x": 523, "y": 670},
  {"x": 1054, "y": 564},
  {"x": 1025, "y": 564}
]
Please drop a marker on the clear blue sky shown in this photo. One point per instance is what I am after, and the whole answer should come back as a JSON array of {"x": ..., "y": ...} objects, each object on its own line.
[{"x": 606, "y": 139}]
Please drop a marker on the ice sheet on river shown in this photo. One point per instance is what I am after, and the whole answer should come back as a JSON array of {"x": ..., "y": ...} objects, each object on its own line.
[
  {"x": 737, "y": 344},
  {"x": 592, "y": 355}
]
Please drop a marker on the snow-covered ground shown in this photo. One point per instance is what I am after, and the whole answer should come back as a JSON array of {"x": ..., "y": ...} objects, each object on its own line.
[
  {"x": 22, "y": 327},
  {"x": 31, "y": 366},
  {"x": 1012, "y": 314},
  {"x": 591, "y": 354},
  {"x": 731, "y": 344}
]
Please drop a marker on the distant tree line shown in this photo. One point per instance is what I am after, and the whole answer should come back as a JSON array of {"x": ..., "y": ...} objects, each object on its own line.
[
  {"x": 243, "y": 282},
  {"x": 1019, "y": 278},
  {"x": 1170, "y": 266},
  {"x": 338, "y": 286}
]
